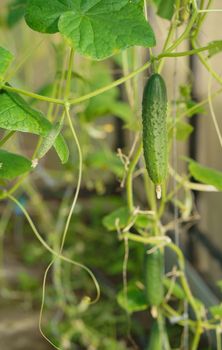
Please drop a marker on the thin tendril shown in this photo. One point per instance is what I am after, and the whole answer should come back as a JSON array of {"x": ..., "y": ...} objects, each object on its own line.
[
  {"x": 52, "y": 251},
  {"x": 213, "y": 115}
]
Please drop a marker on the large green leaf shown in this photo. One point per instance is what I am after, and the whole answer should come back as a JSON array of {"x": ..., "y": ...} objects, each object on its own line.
[
  {"x": 17, "y": 115},
  {"x": 13, "y": 165},
  {"x": 43, "y": 16},
  {"x": 95, "y": 28},
  {"x": 5, "y": 60},
  {"x": 206, "y": 175},
  {"x": 16, "y": 10}
]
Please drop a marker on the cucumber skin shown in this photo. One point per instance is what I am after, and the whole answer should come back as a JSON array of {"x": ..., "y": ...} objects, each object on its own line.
[
  {"x": 155, "y": 341},
  {"x": 154, "y": 113},
  {"x": 153, "y": 277}
]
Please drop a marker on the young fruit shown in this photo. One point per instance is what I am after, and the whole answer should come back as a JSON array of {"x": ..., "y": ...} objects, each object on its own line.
[
  {"x": 155, "y": 340},
  {"x": 158, "y": 339},
  {"x": 154, "y": 113},
  {"x": 153, "y": 271}
]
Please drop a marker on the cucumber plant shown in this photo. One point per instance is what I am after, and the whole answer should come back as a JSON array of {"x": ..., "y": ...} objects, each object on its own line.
[{"x": 89, "y": 43}]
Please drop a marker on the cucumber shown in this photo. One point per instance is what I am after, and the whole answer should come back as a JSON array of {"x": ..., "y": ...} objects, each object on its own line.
[
  {"x": 154, "y": 113},
  {"x": 153, "y": 277},
  {"x": 155, "y": 341},
  {"x": 158, "y": 341}
]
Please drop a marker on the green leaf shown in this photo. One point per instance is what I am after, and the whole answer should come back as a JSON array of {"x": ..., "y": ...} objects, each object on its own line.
[
  {"x": 122, "y": 217},
  {"x": 43, "y": 16},
  {"x": 215, "y": 47},
  {"x": 118, "y": 218},
  {"x": 135, "y": 300},
  {"x": 49, "y": 140},
  {"x": 17, "y": 115},
  {"x": 185, "y": 91},
  {"x": 143, "y": 220},
  {"x": 13, "y": 165},
  {"x": 166, "y": 9},
  {"x": 183, "y": 131},
  {"x": 5, "y": 60},
  {"x": 95, "y": 28},
  {"x": 206, "y": 175},
  {"x": 16, "y": 11},
  {"x": 196, "y": 109}
]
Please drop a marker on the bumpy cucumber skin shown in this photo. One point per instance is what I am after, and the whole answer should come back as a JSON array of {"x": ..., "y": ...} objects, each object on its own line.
[
  {"x": 153, "y": 277},
  {"x": 155, "y": 341},
  {"x": 154, "y": 113}
]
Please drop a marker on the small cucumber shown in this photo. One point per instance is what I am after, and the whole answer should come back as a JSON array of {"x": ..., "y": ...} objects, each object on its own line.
[
  {"x": 154, "y": 113},
  {"x": 155, "y": 341},
  {"x": 153, "y": 277},
  {"x": 158, "y": 340}
]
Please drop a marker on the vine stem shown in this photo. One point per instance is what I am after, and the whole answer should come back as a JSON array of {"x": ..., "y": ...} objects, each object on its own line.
[
  {"x": 188, "y": 52},
  {"x": 110, "y": 86},
  {"x": 79, "y": 177},
  {"x": 6, "y": 138},
  {"x": 213, "y": 115},
  {"x": 189, "y": 295},
  {"x": 166, "y": 241},
  {"x": 129, "y": 177},
  {"x": 206, "y": 65},
  {"x": 67, "y": 108},
  {"x": 185, "y": 34},
  {"x": 33, "y": 95},
  {"x": 69, "y": 74},
  {"x": 53, "y": 252}
]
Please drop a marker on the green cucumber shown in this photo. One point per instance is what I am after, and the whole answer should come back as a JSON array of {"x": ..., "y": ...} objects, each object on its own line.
[
  {"x": 154, "y": 113},
  {"x": 155, "y": 340},
  {"x": 153, "y": 276},
  {"x": 158, "y": 339}
]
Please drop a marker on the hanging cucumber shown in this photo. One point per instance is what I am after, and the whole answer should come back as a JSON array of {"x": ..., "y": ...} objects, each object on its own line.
[
  {"x": 154, "y": 113},
  {"x": 155, "y": 340},
  {"x": 153, "y": 276},
  {"x": 158, "y": 339}
]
